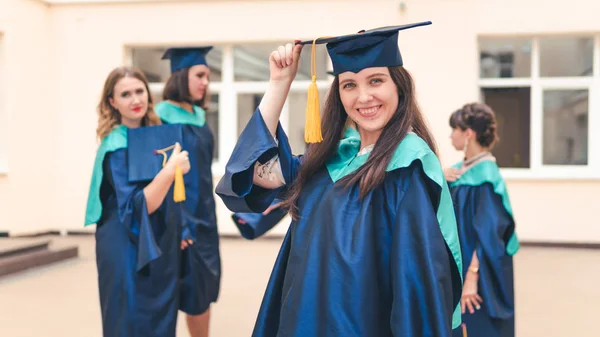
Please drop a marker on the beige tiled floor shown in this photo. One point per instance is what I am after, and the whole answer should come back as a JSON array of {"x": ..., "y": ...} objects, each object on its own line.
[{"x": 558, "y": 293}]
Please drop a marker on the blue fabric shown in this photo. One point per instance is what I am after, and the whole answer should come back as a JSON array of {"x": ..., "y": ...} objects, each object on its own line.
[
  {"x": 186, "y": 57},
  {"x": 201, "y": 262},
  {"x": 236, "y": 188},
  {"x": 348, "y": 267},
  {"x": 257, "y": 224},
  {"x": 411, "y": 148},
  {"x": 488, "y": 171},
  {"x": 373, "y": 48},
  {"x": 143, "y": 160},
  {"x": 485, "y": 226},
  {"x": 482, "y": 324},
  {"x": 137, "y": 256}
]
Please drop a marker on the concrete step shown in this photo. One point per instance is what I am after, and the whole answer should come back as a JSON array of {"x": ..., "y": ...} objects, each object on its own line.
[
  {"x": 10, "y": 247},
  {"x": 21, "y": 255}
]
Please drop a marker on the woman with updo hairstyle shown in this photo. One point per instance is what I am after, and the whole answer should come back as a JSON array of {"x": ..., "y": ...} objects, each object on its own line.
[{"x": 486, "y": 226}]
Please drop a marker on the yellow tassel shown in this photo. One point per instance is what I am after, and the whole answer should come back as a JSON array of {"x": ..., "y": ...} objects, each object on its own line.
[
  {"x": 312, "y": 128},
  {"x": 179, "y": 188},
  {"x": 464, "y": 330}
]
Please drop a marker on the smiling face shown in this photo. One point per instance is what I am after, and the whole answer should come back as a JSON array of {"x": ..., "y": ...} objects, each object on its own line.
[
  {"x": 130, "y": 98},
  {"x": 370, "y": 98}
]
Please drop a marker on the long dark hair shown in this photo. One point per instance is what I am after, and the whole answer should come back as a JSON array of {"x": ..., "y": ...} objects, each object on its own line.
[{"x": 372, "y": 173}]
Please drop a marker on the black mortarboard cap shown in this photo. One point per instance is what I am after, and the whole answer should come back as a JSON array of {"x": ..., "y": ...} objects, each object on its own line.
[{"x": 371, "y": 48}]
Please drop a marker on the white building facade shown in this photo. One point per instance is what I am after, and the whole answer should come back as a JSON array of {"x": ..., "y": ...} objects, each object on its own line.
[{"x": 537, "y": 63}]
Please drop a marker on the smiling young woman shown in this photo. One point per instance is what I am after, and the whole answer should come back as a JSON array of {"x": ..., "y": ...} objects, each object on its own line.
[{"x": 372, "y": 249}]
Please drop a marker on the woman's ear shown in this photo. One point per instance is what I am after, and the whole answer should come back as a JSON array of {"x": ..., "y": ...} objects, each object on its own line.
[{"x": 471, "y": 135}]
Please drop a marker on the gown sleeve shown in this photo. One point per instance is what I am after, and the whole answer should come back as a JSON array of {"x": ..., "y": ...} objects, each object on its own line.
[
  {"x": 426, "y": 283},
  {"x": 131, "y": 208},
  {"x": 257, "y": 224},
  {"x": 256, "y": 144},
  {"x": 494, "y": 227}
]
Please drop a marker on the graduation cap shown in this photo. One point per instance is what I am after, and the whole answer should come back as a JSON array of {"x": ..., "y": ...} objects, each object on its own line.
[
  {"x": 366, "y": 49},
  {"x": 147, "y": 154},
  {"x": 185, "y": 57}
]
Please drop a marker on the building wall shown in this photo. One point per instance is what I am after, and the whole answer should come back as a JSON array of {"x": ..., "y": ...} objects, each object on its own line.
[
  {"x": 84, "y": 42},
  {"x": 548, "y": 209},
  {"x": 95, "y": 37},
  {"x": 28, "y": 123}
]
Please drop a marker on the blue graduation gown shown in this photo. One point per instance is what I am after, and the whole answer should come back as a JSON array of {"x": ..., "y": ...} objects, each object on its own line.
[
  {"x": 486, "y": 225},
  {"x": 257, "y": 224},
  {"x": 201, "y": 262},
  {"x": 381, "y": 266},
  {"x": 137, "y": 254}
]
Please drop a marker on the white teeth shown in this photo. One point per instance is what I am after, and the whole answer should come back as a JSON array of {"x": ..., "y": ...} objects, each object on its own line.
[{"x": 368, "y": 111}]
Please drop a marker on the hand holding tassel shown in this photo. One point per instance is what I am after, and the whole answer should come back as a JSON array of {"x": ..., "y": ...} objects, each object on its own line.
[
  {"x": 179, "y": 158},
  {"x": 180, "y": 163}
]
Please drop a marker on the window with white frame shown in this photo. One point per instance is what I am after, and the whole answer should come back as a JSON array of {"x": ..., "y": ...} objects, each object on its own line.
[
  {"x": 3, "y": 117},
  {"x": 239, "y": 78},
  {"x": 544, "y": 91}
]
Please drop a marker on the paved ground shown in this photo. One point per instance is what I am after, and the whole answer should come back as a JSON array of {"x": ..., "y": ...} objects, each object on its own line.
[{"x": 558, "y": 293}]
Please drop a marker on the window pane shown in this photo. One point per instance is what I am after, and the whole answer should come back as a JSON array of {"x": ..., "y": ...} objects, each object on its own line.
[
  {"x": 246, "y": 105},
  {"x": 565, "y": 127},
  {"x": 156, "y": 95},
  {"x": 566, "y": 56},
  {"x": 504, "y": 57},
  {"x": 212, "y": 119},
  {"x": 512, "y": 108},
  {"x": 251, "y": 62},
  {"x": 323, "y": 62},
  {"x": 297, "y": 118},
  {"x": 148, "y": 59}
]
